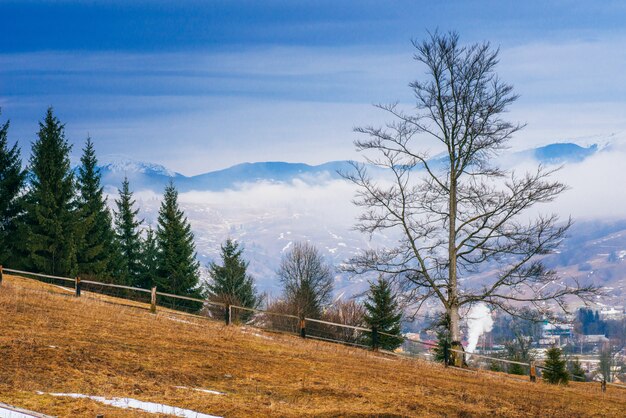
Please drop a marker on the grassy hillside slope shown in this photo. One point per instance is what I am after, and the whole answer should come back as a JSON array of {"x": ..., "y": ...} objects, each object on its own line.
[{"x": 53, "y": 342}]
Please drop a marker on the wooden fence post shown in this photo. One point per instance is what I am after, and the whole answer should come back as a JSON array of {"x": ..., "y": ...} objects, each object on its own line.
[
  {"x": 227, "y": 313},
  {"x": 603, "y": 385},
  {"x": 533, "y": 371},
  {"x": 1, "y": 274},
  {"x": 153, "y": 297},
  {"x": 303, "y": 328},
  {"x": 374, "y": 338},
  {"x": 77, "y": 286},
  {"x": 446, "y": 353}
]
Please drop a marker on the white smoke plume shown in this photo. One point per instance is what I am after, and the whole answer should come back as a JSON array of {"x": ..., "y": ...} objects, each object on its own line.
[{"x": 479, "y": 321}]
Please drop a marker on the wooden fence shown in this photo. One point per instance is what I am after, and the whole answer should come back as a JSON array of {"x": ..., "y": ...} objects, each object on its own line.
[{"x": 304, "y": 327}]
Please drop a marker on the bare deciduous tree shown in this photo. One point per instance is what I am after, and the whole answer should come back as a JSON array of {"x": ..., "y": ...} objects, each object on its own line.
[
  {"x": 459, "y": 214},
  {"x": 306, "y": 279},
  {"x": 346, "y": 312}
]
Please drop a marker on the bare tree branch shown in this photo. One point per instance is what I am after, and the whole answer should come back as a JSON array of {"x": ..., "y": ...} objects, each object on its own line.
[{"x": 466, "y": 235}]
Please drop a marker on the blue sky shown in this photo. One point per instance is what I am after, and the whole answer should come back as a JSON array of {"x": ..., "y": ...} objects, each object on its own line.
[{"x": 203, "y": 85}]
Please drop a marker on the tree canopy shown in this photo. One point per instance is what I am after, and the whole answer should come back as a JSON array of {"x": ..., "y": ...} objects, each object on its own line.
[
  {"x": 458, "y": 212},
  {"x": 306, "y": 279},
  {"x": 384, "y": 314},
  {"x": 178, "y": 269},
  {"x": 50, "y": 223},
  {"x": 95, "y": 247},
  {"x": 12, "y": 178},
  {"x": 230, "y": 282},
  {"x": 128, "y": 237}
]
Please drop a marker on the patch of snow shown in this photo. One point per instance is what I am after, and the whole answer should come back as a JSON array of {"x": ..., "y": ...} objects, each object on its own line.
[
  {"x": 10, "y": 411},
  {"x": 339, "y": 296},
  {"x": 171, "y": 318},
  {"x": 335, "y": 236},
  {"x": 286, "y": 247},
  {"x": 385, "y": 358},
  {"x": 127, "y": 165},
  {"x": 126, "y": 403},
  {"x": 64, "y": 288},
  {"x": 256, "y": 334},
  {"x": 212, "y": 392}
]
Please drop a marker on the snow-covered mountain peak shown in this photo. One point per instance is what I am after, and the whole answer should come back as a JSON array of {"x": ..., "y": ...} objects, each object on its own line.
[{"x": 117, "y": 164}]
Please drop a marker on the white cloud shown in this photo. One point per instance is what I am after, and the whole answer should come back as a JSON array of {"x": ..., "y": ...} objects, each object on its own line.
[
  {"x": 597, "y": 190},
  {"x": 199, "y": 111}
]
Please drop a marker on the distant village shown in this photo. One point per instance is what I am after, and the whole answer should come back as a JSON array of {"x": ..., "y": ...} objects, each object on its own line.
[{"x": 593, "y": 340}]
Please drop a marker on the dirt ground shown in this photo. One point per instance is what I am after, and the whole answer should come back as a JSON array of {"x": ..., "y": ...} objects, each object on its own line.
[{"x": 53, "y": 342}]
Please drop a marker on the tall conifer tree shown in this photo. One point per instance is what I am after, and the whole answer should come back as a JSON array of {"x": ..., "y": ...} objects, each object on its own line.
[
  {"x": 149, "y": 260},
  {"x": 555, "y": 370},
  {"x": 178, "y": 267},
  {"x": 230, "y": 281},
  {"x": 128, "y": 239},
  {"x": 95, "y": 250},
  {"x": 11, "y": 183},
  {"x": 383, "y": 313},
  {"x": 577, "y": 371},
  {"x": 51, "y": 219}
]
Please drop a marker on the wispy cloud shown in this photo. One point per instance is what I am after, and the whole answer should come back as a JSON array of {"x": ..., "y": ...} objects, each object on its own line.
[{"x": 200, "y": 110}]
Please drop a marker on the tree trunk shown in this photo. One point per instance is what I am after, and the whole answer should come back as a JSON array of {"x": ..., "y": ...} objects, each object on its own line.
[
  {"x": 453, "y": 300},
  {"x": 455, "y": 335}
]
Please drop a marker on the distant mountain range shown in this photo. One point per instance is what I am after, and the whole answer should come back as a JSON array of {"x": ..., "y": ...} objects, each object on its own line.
[
  {"x": 267, "y": 220},
  {"x": 151, "y": 176},
  {"x": 560, "y": 153},
  {"x": 155, "y": 177}
]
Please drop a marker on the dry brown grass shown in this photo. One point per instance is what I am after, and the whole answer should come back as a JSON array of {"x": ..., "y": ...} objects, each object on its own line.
[{"x": 53, "y": 342}]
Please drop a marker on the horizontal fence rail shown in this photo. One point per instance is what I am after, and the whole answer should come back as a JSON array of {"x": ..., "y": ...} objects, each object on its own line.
[
  {"x": 318, "y": 329},
  {"x": 344, "y": 334},
  {"x": 117, "y": 286},
  {"x": 48, "y": 276},
  {"x": 170, "y": 295},
  {"x": 272, "y": 321}
]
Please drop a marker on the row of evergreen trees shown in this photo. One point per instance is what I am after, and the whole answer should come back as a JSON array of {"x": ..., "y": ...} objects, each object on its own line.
[{"x": 55, "y": 220}]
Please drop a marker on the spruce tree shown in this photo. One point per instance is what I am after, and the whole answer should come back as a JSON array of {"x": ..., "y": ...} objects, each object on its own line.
[
  {"x": 149, "y": 260},
  {"x": 576, "y": 369},
  {"x": 555, "y": 371},
  {"x": 12, "y": 178},
  {"x": 383, "y": 313},
  {"x": 441, "y": 351},
  {"x": 231, "y": 283},
  {"x": 516, "y": 369},
  {"x": 51, "y": 218},
  {"x": 96, "y": 244},
  {"x": 128, "y": 239},
  {"x": 518, "y": 350},
  {"x": 178, "y": 268}
]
